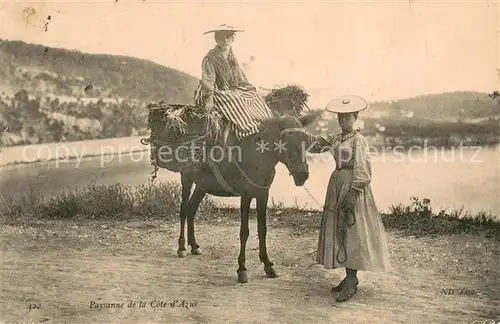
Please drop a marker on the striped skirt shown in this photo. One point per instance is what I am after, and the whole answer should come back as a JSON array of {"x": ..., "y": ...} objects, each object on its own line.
[{"x": 245, "y": 110}]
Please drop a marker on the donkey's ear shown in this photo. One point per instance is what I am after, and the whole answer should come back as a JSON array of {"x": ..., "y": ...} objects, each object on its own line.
[{"x": 309, "y": 117}]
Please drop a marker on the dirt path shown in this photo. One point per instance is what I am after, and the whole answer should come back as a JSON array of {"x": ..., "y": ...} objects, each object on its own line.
[{"x": 64, "y": 267}]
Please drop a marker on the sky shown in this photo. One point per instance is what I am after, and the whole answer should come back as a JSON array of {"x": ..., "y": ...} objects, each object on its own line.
[{"x": 380, "y": 50}]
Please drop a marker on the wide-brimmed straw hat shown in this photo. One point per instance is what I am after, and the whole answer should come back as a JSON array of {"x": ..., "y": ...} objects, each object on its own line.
[
  {"x": 223, "y": 27},
  {"x": 346, "y": 104}
]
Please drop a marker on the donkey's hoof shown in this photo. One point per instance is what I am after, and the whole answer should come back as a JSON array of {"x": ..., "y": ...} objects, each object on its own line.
[
  {"x": 196, "y": 251},
  {"x": 181, "y": 253},
  {"x": 270, "y": 272},
  {"x": 242, "y": 276}
]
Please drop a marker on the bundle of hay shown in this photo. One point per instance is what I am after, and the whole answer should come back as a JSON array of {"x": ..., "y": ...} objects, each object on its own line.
[
  {"x": 290, "y": 100},
  {"x": 172, "y": 126}
]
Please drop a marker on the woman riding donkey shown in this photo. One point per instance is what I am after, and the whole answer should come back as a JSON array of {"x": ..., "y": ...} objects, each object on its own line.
[{"x": 225, "y": 86}]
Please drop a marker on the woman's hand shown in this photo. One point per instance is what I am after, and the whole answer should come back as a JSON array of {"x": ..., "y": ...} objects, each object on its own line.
[
  {"x": 349, "y": 202},
  {"x": 209, "y": 104},
  {"x": 246, "y": 87}
]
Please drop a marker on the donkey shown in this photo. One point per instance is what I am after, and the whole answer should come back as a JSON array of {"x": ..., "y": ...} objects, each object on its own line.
[{"x": 248, "y": 175}]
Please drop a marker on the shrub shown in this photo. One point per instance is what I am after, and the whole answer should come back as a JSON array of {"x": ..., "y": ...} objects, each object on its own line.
[
  {"x": 101, "y": 202},
  {"x": 418, "y": 219}
]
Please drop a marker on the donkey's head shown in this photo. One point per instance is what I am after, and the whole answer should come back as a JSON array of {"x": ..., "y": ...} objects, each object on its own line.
[{"x": 291, "y": 144}]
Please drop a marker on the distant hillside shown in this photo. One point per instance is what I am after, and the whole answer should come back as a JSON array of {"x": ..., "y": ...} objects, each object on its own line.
[
  {"x": 449, "y": 106},
  {"x": 52, "y": 94},
  {"x": 446, "y": 119},
  {"x": 40, "y": 69}
]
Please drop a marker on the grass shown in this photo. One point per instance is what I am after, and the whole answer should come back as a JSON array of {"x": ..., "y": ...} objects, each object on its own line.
[
  {"x": 100, "y": 202},
  {"x": 418, "y": 219},
  {"x": 162, "y": 201}
]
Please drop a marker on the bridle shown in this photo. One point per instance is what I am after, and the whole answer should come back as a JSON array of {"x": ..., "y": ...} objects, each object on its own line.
[
  {"x": 245, "y": 175},
  {"x": 291, "y": 130}
]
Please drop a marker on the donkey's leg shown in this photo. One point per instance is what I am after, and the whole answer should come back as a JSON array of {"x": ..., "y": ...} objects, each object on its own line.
[
  {"x": 187, "y": 184},
  {"x": 194, "y": 203},
  {"x": 244, "y": 232},
  {"x": 262, "y": 231}
]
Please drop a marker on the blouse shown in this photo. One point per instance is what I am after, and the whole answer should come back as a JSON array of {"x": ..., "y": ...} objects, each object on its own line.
[
  {"x": 351, "y": 151},
  {"x": 222, "y": 73}
]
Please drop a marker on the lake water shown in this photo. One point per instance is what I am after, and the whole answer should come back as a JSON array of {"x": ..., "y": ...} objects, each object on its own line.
[{"x": 468, "y": 178}]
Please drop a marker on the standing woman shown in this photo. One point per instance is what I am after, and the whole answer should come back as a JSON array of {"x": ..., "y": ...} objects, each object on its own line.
[{"x": 352, "y": 235}]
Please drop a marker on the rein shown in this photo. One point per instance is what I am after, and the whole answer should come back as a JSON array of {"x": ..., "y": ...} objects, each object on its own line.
[
  {"x": 245, "y": 175},
  {"x": 343, "y": 220}
]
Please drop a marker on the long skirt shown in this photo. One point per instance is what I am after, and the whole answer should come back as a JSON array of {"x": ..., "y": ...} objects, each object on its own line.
[
  {"x": 358, "y": 242},
  {"x": 244, "y": 110}
]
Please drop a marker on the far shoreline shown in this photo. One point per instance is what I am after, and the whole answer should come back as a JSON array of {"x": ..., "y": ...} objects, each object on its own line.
[{"x": 130, "y": 145}]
